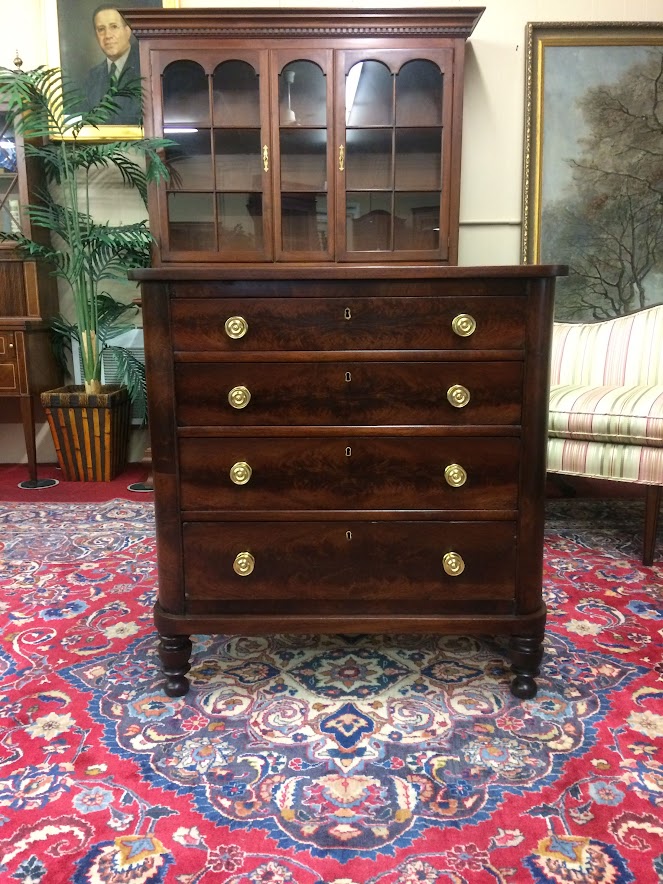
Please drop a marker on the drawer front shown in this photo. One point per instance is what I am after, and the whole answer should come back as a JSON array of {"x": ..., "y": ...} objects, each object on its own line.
[
  {"x": 8, "y": 363},
  {"x": 364, "y": 472},
  {"x": 348, "y": 323},
  {"x": 348, "y": 394},
  {"x": 366, "y": 566}
]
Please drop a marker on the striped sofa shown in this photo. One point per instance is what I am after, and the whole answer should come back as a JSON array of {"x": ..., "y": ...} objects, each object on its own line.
[{"x": 606, "y": 405}]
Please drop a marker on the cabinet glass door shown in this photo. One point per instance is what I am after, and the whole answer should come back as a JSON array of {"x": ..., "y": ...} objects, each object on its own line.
[
  {"x": 302, "y": 106},
  {"x": 392, "y": 162},
  {"x": 10, "y": 213},
  {"x": 218, "y": 204}
]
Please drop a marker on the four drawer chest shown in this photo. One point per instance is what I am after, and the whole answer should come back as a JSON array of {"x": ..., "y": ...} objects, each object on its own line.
[{"x": 349, "y": 450}]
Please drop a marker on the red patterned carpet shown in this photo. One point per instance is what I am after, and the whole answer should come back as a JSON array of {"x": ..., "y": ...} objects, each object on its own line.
[{"x": 322, "y": 760}]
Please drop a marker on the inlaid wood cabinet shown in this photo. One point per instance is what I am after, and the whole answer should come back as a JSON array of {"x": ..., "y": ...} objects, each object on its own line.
[
  {"x": 348, "y": 432},
  {"x": 28, "y": 295}
]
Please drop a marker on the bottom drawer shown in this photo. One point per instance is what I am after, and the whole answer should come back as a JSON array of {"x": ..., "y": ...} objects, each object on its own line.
[{"x": 346, "y": 567}]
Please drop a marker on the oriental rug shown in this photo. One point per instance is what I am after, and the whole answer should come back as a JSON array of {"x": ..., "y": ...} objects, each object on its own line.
[{"x": 323, "y": 759}]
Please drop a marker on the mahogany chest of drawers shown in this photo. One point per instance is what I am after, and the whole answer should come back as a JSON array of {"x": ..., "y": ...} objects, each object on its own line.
[{"x": 349, "y": 449}]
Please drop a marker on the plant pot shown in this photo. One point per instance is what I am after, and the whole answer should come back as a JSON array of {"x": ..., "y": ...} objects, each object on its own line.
[{"x": 90, "y": 431}]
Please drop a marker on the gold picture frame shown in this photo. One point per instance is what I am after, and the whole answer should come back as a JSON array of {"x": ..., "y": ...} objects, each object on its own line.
[
  {"x": 79, "y": 52},
  {"x": 571, "y": 68}
]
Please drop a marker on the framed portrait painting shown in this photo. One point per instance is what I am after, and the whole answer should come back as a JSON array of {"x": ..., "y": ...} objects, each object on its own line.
[
  {"x": 593, "y": 176},
  {"x": 86, "y": 36}
]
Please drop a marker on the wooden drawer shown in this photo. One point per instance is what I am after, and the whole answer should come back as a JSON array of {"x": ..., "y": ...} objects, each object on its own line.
[
  {"x": 365, "y": 566},
  {"x": 348, "y": 393},
  {"x": 348, "y": 473},
  {"x": 348, "y": 323},
  {"x": 8, "y": 363}
]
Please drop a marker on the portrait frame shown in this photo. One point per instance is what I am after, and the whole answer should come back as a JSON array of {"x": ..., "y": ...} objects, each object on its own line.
[
  {"x": 563, "y": 61},
  {"x": 85, "y": 53}
]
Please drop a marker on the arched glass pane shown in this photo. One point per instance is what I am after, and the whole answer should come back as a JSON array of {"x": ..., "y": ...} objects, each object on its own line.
[
  {"x": 236, "y": 94},
  {"x": 185, "y": 94},
  {"x": 419, "y": 94},
  {"x": 302, "y": 95},
  {"x": 368, "y": 95}
]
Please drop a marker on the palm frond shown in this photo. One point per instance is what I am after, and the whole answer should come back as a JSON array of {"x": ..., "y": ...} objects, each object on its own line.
[{"x": 132, "y": 373}]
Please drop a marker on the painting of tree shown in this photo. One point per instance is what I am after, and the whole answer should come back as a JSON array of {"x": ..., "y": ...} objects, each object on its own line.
[{"x": 600, "y": 175}]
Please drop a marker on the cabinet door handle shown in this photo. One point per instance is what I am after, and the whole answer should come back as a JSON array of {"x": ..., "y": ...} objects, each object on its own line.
[
  {"x": 341, "y": 158},
  {"x": 265, "y": 158}
]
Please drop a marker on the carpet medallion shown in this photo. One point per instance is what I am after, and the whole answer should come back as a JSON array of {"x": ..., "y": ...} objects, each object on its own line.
[{"x": 322, "y": 759}]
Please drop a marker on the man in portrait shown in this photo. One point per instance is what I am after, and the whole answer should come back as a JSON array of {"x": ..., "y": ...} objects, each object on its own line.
[{"x": 121, "y": 57}]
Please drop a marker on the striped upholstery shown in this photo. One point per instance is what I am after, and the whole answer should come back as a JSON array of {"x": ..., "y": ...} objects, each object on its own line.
[{"x": 606, "y": 398}]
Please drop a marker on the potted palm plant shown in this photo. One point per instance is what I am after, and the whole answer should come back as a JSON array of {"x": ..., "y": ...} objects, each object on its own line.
[{"x": 85, "y": 254}]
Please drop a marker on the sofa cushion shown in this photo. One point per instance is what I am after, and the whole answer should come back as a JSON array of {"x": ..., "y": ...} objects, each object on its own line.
[
  {"x": 625, "y": 463},
  {"x": 624, "y": 415}
]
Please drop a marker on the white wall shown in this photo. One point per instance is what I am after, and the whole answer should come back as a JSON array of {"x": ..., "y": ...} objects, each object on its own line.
[{"x": 491, "y": 188}]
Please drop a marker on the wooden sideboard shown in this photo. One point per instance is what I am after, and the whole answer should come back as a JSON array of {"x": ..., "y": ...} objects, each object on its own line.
[{"x": 349, "y": 449}]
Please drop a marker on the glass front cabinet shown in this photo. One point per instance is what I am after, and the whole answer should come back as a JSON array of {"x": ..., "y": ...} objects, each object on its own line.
[{"x": 306, "y": 136}]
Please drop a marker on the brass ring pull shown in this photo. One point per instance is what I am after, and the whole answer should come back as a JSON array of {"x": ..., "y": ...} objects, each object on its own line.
[
  {"x": 240, "y": 473},
  {"x": 453, "y": 564},
  {"x": 236, "y": 327},
  {"x": 464, "y": 325},
  {"x": 239, "y": 397},
  {"x": 458, "y": 395},
  {"x": 244, "y": 564},
  {"x": 455, "y": 475}
]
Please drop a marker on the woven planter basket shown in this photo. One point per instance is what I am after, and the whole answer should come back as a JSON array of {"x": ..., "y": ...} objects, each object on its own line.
[{"x": 90, "y": 431}]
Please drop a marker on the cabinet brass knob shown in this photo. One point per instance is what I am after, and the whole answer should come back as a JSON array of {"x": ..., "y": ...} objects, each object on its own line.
[
  {"x": 458, "y": 395},
  {"x": 453, "y": 564},
  {"x": 11, "y": 346},
  {"x": 240, "y": 473},
  {"x": 464, "y": 325},
  {"x": 455, "y": 475},
  {"x": 239, "y": 397},
  {"x": 236, "y": 327},
  {"x": 244, "y": 564}
]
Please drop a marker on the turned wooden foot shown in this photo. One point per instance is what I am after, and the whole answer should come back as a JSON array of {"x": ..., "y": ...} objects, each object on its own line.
[
  {"x": 174, "y": 651},
  {"x": 526, "y": 656}
]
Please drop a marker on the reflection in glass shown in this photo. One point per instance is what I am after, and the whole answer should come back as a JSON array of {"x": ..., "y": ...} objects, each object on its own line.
[
  {"x": 185, "y": 94},
  {"x": 304, "y": 222},
  {"x": 368, "y": 222},
  {"x": 418, "y": 159},
  {"x": 419, "y": 94},
  {"x": 369, "y": 99},
  {"x": 191, "y": 161},
  {"x": 236, "y": 95},
  {"x": 368, "y": 158},
  {"x": 240, "y": 221},
  {"x": 238, "y": 159},
  {"x": 191, "y": 221},
  {"x": 420, "y": 213},
  {"x": 302, "y": 95},
  {"x": 303, "y": 159},
  {"x": 10, "y": 214}
]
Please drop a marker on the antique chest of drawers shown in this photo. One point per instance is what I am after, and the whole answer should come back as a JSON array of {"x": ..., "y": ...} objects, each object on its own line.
[{"x": 349, "y": 449}]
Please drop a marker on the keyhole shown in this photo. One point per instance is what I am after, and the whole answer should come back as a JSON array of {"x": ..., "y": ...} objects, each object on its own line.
[
  {"x": 348, "y": 451},
  {"x": 347, "y": 313},
  {"x": 348, "y": 535},
  {"x": 348, "y": 377}
]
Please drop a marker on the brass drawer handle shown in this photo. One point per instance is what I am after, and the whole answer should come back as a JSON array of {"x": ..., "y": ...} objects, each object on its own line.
[
  {"x": 464, "y": 325},
  {"x": 244, "y": 564},
  {"x": 236, "y": 327},
  {"x": 240, "y": 473},
  {"x": 458, "y": 395},
  {"x": 239, "y": 397},
  {"x": 455, "y": 475},
  {"x": 453, "y": 564}
]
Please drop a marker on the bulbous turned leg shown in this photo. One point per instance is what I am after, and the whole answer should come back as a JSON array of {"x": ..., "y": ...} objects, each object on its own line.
[
  {"x": 526, "y": 656},
  {"x": 174, "y": 651}
]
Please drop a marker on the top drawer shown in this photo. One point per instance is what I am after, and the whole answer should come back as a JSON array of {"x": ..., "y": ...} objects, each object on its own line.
[{"x": 349, "y": 323}]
